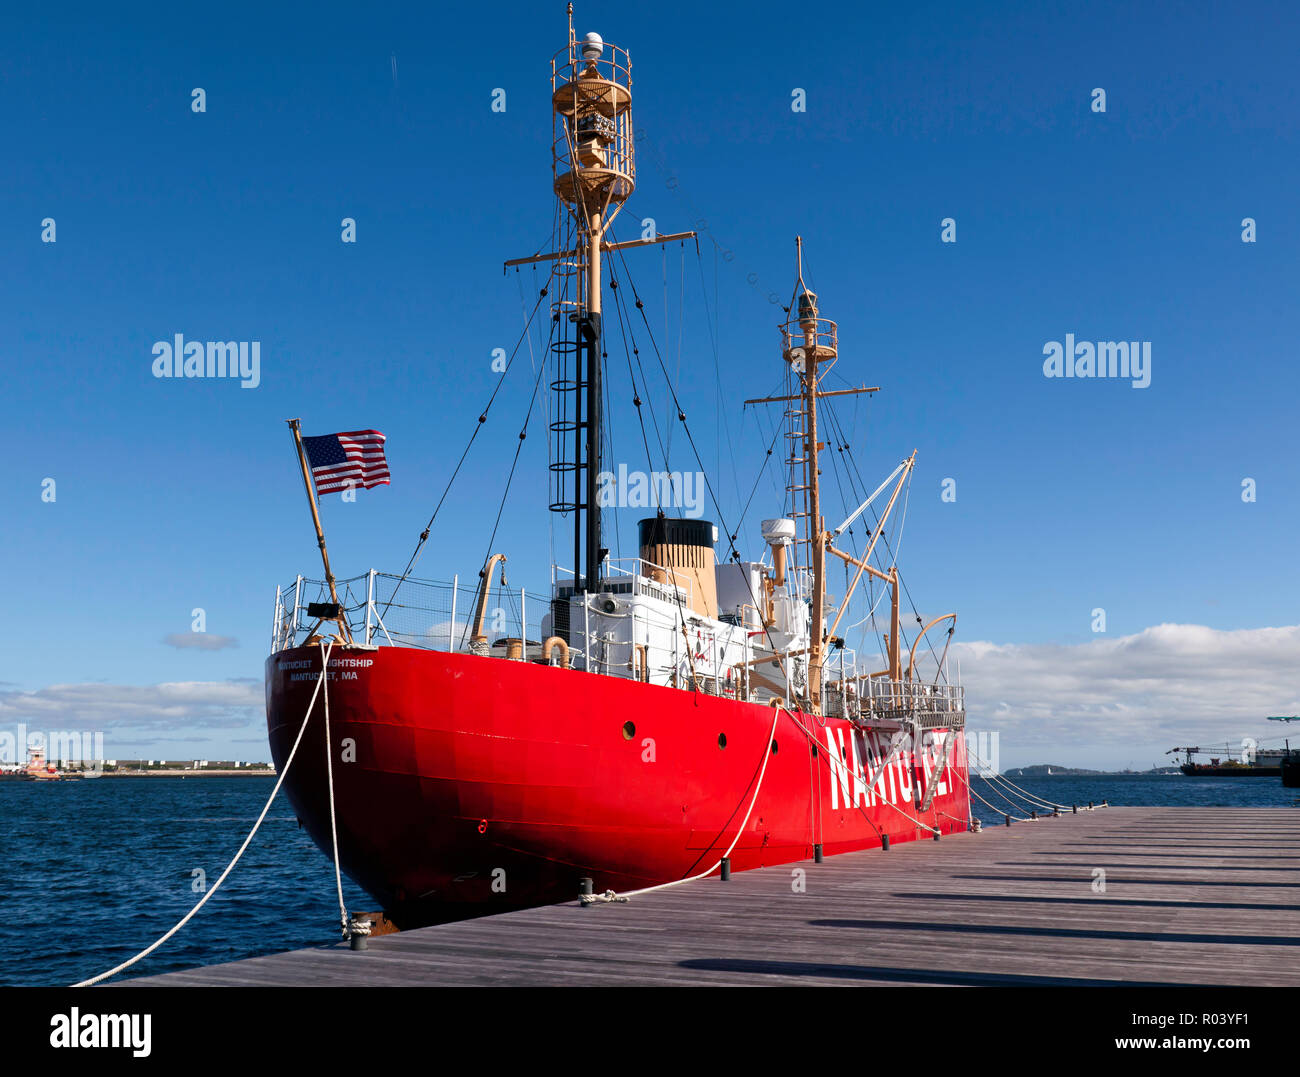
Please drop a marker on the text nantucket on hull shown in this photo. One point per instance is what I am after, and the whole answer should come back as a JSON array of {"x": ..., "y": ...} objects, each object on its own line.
[{"x": 645, "y": 717}]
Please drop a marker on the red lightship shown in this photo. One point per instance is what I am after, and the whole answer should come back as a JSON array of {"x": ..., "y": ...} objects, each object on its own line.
[{"x": 648, "y": 716}]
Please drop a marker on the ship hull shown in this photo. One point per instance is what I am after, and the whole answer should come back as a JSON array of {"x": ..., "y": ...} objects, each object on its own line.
[
  {"x": 1194, "y": 771},
  {"x": 465, "y": 785}
]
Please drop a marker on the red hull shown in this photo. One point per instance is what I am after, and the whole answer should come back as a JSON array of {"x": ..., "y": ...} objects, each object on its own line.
[{"x": 477, "y": 784}]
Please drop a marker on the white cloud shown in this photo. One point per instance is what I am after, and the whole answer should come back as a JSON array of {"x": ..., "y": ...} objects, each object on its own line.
[
  {"x": 202, "y": 641},
  {"x": 99, "y": 706},
  {"x": 1166, "y": 685}
]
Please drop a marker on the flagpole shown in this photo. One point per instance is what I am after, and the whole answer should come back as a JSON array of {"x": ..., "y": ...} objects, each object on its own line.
[{"x": 295, "y": 426}]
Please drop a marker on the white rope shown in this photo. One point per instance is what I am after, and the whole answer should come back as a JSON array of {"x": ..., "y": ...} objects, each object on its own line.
[
  {"x": 1034, "y": 802},
  {"x": 882, "y": 798},
  {"x": 612, "y": 896},
  {"x": 824, "y": 752},
  {"x": 1027, "y": 796},
  {"x": 1000, "y": 811},
  {"x": 329, "y": 772},
  {"x": 997, "y": 790},
  {"x": 186, "y": 918}
]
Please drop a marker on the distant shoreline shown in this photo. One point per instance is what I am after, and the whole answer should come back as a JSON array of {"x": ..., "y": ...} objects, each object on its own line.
[{"x": 242, "y": 772}]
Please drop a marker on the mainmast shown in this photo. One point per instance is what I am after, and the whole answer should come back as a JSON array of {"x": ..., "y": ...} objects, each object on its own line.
[{"x": 593, "y": 175}]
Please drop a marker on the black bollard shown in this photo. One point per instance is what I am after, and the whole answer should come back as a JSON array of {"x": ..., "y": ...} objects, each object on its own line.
[
  {"x": 1090, "y": 805},
  {"x": 1056, "y": 813},
  {"x": 585, "y": 886},
  {"x": 1008, "y": 819},
  {"x": 1033, "y": 815},
  {"x": 884, "y": 843},
  {"x": 359, "y": 933},
  {"x": 1076, "y": 810},
  {"x": 936, "y": 834},
  {"x": 726, "y": 868},
  {"x": 817, "y": 853}
]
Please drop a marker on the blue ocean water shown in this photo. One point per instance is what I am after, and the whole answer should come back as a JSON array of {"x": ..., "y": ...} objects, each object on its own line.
[
  {"x": 91, "y": 872},
  {"x": 1130, "y": 790}
]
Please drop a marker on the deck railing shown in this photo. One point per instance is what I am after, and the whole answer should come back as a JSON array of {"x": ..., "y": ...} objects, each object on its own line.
[{"x": 387, "y": 610}]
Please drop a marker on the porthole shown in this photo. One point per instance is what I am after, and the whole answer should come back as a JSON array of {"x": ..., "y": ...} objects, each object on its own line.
[
  {"x": 629, "y": 731},
  {"x": 722, "y": 740}
]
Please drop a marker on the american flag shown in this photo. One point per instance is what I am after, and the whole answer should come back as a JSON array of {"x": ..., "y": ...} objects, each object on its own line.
[{"x": 346, "y": 461}]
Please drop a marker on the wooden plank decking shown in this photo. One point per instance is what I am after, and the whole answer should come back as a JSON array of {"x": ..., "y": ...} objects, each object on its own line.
[{"x": 1192, "y": 896}]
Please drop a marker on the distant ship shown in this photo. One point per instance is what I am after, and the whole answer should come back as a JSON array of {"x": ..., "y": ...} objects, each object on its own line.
[
  {"x": 37, "y": 769},
  {"x": 1255, "y": 763}
]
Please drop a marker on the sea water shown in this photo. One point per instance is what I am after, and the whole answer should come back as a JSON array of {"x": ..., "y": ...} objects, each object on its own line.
[{"x": 92, "y": 872}]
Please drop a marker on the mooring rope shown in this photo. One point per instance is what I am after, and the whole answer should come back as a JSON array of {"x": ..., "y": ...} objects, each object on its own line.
[
  {"x": 822, "y": 749},
  {"x": 885, "y": 799},
  {"x": 999, "y": 811},
  {"x": 1004, "y": 779},
  {"x": 229, "y": 867},
  {"x": 1021, "y": 794},
  {"x": 992, "y": 807},
  {"x": 612, "y": 896},
  {"x": 1041, "y": 800}
]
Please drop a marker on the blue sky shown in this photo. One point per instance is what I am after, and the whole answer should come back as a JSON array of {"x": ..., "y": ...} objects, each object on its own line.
[{"x": 1071, "y": 495}]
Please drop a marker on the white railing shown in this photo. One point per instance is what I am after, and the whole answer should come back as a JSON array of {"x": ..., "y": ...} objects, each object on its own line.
[
  {"x": 677, "y": 587},
  {"x": 381, "y": 609},
  {"x": 385, "y": 610},
  {"x": 878, "y": 698}
]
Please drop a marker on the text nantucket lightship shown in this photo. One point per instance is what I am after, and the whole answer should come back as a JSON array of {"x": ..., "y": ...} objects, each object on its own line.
[{"x": 650, "y": 715}]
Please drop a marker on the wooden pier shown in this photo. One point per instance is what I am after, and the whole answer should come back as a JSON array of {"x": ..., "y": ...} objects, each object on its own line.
[{"x": 1206, "y": 896}]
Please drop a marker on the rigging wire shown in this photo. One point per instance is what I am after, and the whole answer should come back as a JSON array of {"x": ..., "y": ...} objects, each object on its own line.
[
  {"x": 848, "y": 449},
  {"x": 505, "y": 494},
  {"x": 482, "y": 419}
]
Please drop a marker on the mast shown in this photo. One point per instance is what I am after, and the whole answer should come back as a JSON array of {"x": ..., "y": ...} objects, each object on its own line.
[
  {"x": 812, "y": 352},
  {"x": 593, "y": 173},
  {"x": 810, "y": 345}
]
